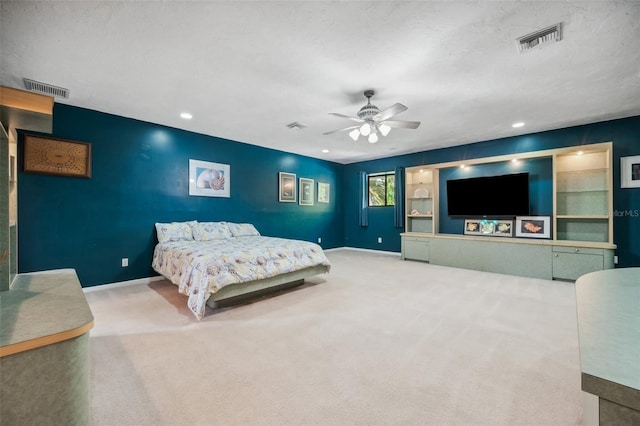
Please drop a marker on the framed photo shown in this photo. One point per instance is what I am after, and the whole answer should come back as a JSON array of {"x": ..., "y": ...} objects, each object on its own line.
[
  {"x": 630, "y": 172},
  {"x": 533, "y": 226},
  {"x": 472, "y": 227},
  {"x": 209, "y": 179},
  {"x": 306, "y": 192},
  {"x": 503, "y": 228},
  {"x": 52, "y": 156},
  {"x": 287, "y": 187},
  {"x": 323, "y": 192}
]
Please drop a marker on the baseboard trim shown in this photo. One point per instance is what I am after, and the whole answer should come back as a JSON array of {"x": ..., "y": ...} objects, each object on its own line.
[
  {"x": 394, "y": 253},
  {"x": 139, "y": 281}
]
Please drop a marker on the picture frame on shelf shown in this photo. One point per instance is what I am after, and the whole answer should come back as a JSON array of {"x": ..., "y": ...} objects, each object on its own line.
[
  {"x": 630, "y": 172},
  {"x": 472, "y": 227},
  {"x": 53, "y": 156},
  {"x": 287, "y": 187},
  {"x": 324, "y": 192},
  {"x": 207, "y": 179},
  {"x": 503, "y": 228},
  {"x": 306, "y": 192},
  {"x": 533, "y": 226}
]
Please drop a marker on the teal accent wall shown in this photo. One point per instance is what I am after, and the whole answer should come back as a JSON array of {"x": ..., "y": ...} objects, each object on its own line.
[
  {"x": 140, "y": 177},
  {"x": 624, "y": 133}
]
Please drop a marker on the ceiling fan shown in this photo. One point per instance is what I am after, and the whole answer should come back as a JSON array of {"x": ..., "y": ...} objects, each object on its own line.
[{"x": 371, "y": 121}]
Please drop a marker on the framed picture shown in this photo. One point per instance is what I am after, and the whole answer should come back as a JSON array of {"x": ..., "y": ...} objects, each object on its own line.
[
  {"x": 306, "y": 192},
  {"x": 209, "y": 179},
  {"x": 503, "y": 228},
  {"x": 323, "y": 192},
  {"x": 52, "y": 156},
  {"x": 630, "y": 172},
  {"x": 287, "y": 187},
  {"x": 472, "y": 227},
  {"x": 533, "y": 226}
]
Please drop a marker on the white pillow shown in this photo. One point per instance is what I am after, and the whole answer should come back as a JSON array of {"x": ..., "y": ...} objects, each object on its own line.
[
  {"x": 207, "y": 231},
  {"x": 242, "y": 229},
  {"x": 175, "y": 231}
]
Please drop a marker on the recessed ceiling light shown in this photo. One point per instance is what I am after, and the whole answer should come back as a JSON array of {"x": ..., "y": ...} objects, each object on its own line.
[
  {"x": 186, "y": 116},
  {"x": 514, "y": 160},
  {"x": 325, "y": 150},
  {"x": 462, "y": 166},
  {"x": 580, "y": 153},
  {"x": 518, "y": 124}
]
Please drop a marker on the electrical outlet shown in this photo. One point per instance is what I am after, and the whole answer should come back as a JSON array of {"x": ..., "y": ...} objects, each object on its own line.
[
  {"x": 319, "y": 240},
  {"x": 379, "y": 239},
  {"x": 125, "y": 262},
  {"x": 615, "y": 260}
]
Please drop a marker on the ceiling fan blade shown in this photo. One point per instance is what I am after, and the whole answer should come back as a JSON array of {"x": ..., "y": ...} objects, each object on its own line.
[
  {"x": 389, "y": 112},
  {"x": 341, "y": 130},
  {"x": 348, "y": 117},
  {"x": 401, "y": 124}
]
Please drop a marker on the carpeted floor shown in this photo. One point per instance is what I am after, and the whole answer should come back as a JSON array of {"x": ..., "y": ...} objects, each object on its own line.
[{"x": 378, "y": 341}]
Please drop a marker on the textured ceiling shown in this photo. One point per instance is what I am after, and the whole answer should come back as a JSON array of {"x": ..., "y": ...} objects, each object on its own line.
[{"x": 247, "y": 69}]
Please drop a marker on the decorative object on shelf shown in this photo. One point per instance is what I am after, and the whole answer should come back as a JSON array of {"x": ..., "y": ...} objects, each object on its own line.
[
  {"x": 323, "y": 192},
  {"x": 306, "y": 192},
  {"x": 414, "y": 212},
  {"x": 472, "y": 227},
  {"x": 421, "y": 193},
  {"x": 504, "y": 228},
  {"x": 54, "y": 156},
  {"x": 533, "y": 226},
  {"x": 208, "y": 179},
  {"x": 630, "y": 172},
  {"x": 286, "y": 187}
]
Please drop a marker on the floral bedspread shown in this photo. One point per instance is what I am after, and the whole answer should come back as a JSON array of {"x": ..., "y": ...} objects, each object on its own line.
[{"x": 200, "y": 269}]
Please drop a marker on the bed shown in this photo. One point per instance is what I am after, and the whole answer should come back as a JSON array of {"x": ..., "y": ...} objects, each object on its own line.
[{"x": 214, "y": 263}]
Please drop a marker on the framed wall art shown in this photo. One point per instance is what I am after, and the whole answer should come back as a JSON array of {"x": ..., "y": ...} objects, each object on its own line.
[
  {"x": 52, "y": 156},
  {"x": 286, "y": 187},
  {"x": 630, "y": 172},
  {"x": 533, "y": 226},
  {"x": 306, "y": 192},
  {"x": 208, "y": 179},
  {"x": 323, "y": 192}
]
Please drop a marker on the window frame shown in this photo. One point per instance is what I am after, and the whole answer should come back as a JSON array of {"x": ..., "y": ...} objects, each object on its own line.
[{"x": 385, "y": 175}]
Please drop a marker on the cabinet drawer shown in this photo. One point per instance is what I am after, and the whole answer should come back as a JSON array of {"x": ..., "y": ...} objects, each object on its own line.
[
  {"x": 415, "y": 248},
  {"x": 580, "y": 250},
  {"x": 570, "y": 266}
]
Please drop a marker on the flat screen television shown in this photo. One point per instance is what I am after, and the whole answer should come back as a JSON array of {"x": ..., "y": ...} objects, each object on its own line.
[{"x": 490, "y": 196}]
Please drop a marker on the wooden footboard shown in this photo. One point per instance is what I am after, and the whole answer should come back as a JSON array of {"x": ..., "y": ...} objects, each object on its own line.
[{"x": 241, "y": 291}]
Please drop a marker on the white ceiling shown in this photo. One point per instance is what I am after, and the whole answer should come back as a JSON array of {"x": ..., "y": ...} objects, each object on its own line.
[{"x": 247, "y": 69}]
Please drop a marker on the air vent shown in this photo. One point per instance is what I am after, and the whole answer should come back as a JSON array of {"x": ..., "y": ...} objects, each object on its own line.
[
  {"x": 46, "y": 89},
  {"x": 296, "y": 125},
  {"x": 546, "y": 35}
]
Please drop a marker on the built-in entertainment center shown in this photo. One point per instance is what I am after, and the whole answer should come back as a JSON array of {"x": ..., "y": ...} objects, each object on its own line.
[{"x": 554, "y": 207}]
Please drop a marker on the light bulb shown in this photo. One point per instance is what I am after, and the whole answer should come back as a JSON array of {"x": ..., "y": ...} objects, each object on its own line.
[
  {"x": 354, "y": 134},
  {"x": 365, "y": 129},
  {"x": 373, "y": 138},
  {"x": 384, "y": 129}
]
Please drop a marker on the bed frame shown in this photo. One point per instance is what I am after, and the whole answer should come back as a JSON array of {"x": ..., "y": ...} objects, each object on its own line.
[{"x": 239, "y": 292}]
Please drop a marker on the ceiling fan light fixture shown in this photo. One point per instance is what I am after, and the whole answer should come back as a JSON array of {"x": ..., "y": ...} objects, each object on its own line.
[
  {"x": 355, "y": 133},
  {"x": 365, "y": 129},
  {"x": 384, "y": 129},
  {"x": 373, "y": 138}
]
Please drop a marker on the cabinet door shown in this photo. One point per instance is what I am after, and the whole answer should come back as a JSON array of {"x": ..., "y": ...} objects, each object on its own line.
[
  {"x": 570, "y": 266},
  {"x": 415, "y": 249}
]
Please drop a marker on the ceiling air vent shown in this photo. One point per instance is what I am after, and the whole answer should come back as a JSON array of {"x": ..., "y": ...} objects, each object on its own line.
[
  {"x": 46, "y": 89},
  {"x": 546, "y": 35},
  {"x": 296, "y": 125}
]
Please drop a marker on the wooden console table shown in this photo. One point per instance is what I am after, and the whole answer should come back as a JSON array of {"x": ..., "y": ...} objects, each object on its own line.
[{"x": 44, "y": 350}]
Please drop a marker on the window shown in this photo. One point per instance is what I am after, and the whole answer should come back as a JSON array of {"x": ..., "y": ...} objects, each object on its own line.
[{"x": 381, "y": 189}]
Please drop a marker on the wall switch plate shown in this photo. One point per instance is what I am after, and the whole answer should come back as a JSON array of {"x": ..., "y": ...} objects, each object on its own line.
[
  {"x": 125, "y": 262},
  {"x": 379, "y": 239},
  {"x": 615, "y": 260},
  {"x": 319, "y": 240}
]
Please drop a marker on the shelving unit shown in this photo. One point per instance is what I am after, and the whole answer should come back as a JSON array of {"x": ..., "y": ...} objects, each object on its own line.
[{"x": 421, "y": 191}]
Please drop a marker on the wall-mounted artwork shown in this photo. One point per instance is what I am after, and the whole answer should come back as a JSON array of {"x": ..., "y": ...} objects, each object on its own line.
[
  {"x": 52, "y": 156},
  {"x": 209, "y": 179},
  {"x": 323, "y": 192},
  {"x": 306, "y": 192},
  {"x": 533, "y": 226},
  {"x": 287, "y": 187},
  {"x": 630, "y": 172}
]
